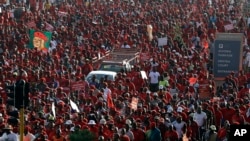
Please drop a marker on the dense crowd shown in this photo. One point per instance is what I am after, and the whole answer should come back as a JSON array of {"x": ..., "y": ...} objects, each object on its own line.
[{"x": 170, "y": 106}]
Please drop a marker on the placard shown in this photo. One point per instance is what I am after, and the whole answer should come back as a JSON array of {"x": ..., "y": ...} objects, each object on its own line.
[
  {"x": 162, "y": 41},
  {"x": 134, "y": 103},
  {"x": 78, "y": 86}
]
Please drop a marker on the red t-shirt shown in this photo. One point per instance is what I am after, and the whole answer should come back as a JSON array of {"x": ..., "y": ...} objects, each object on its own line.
[
  {"x": 228, "y": 113},
  {"x": 124, "y": 138},
  {"x": 139, "y": 83},
  {"x": 222, "y": 133},
  {"x": 139, "y": 134},
  {"x": 238, "y": 119},
  {"x": 171, "y": 135},
  {"x": 218, "y": 117},
  {"x": 194, "y": 127},
  {"x": 247, "y": 118},
  {"x": 242, "y": 93}
]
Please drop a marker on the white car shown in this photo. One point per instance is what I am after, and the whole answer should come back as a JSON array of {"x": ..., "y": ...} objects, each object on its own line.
[{"x": 100, "y": 73}]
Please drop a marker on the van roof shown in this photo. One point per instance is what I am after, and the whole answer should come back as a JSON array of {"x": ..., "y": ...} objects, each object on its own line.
[{"x": 103, "y": 72}]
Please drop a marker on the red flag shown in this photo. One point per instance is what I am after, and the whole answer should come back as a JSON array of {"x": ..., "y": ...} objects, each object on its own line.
[
  {"x": 110, "y": 103},
  {"x": 192, "y": 80}
]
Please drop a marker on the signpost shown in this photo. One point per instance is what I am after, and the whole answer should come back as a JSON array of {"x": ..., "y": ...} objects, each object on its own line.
[{"x": 227, "y": 54}]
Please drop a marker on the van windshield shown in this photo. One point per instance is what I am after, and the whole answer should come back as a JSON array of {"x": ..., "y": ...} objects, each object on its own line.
[
  {"x": 111, "y": 67},
  {"x": 99, "y": 77}
]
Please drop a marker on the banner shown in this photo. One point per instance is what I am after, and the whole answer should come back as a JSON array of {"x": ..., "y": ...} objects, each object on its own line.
[
  {"x": 49, "y": 27},
  {"x": 62, "y": 14},
  {"x": 78, "y": 86},
  {"x": 40, "y": 40}
]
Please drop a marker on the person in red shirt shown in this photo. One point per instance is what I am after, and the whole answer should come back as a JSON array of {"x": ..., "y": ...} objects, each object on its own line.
[
  {"x": 93, "y": 127},
  {"x": 223, "y": 132},
  {"x": 242, "y": 78},
  {"x": 171, "y": 134},
  {"x": 243, "y": 91},
  {"x": 193, "y": 126},
  {"x": 102, "y": 132},
  {"x": 123, "y": 136},
  {"x": 131, "y": 85},
  {"x": 182, "y": 114},
  {"x": 119, "y": 78},
  {"x": 217, "y": 116},
  {"x": 139, "y": 82},
  {"x": 80, "y": 120},
  {"x": 87, "y": 67},
  {"x": 58, "y": 136},
  {"x": 228, "y": 112},
  {"x": 165, "y": 95},
  {"x": 139, "y": 134},
  {"x": 238, "y": 117}
]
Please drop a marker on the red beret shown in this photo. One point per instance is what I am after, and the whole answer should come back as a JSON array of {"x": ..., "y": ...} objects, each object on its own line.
[
  {"x": 43, "y": 79},
  {"x": 153, "y": 125}
]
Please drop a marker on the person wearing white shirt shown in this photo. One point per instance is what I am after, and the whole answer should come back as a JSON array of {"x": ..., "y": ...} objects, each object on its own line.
[
  {"x": 27, "y": 135},
  {"x": 53, "y": 44},
  {"x": 3, "y": 137},
  {"x": 11, "y": 136},
  {"x": 106, "y": 91},
  {"x": 248, "y": 21},
  {"x": 125, "y": 45},
  {"x": 154, "y": 80},
  {"x": 153, "y": 63},
  {"x": 247, "y": 61},
  {"x": 200, "y": 117},
  {"x": 179, "y": 125}
]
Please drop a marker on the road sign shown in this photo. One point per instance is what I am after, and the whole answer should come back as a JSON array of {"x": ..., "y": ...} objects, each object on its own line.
[{"x": 227, "y": 54}]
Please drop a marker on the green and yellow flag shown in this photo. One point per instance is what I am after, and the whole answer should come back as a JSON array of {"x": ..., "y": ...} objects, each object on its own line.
[{"x": 40, "y": 40}]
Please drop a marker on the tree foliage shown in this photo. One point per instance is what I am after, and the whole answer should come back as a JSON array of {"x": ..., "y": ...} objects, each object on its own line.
[{"x": 82, "y": 135}]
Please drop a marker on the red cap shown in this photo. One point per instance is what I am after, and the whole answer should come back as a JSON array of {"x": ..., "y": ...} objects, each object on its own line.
[{"x": 27, "y": 128}]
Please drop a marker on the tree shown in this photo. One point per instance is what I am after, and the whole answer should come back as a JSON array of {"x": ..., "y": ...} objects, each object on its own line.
[{"x": 82, "y": 135}]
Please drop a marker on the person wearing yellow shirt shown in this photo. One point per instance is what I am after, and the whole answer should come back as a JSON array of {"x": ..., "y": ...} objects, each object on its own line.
[
  {"x": 47, "y": 5},
  {"x": 163, "y": 82}
]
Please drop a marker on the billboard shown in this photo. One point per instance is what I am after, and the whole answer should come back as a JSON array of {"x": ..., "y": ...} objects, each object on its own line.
[{"x": 227, "y": 54}]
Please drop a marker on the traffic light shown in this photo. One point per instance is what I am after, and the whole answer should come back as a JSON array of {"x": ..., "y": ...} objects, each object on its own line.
[{"x": 18, "y": 94}]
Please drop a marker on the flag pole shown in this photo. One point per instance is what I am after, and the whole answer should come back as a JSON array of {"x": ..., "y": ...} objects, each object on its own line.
[
  {"x": 22, "y": 114},
  {"x": 21, "y": 123}
]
